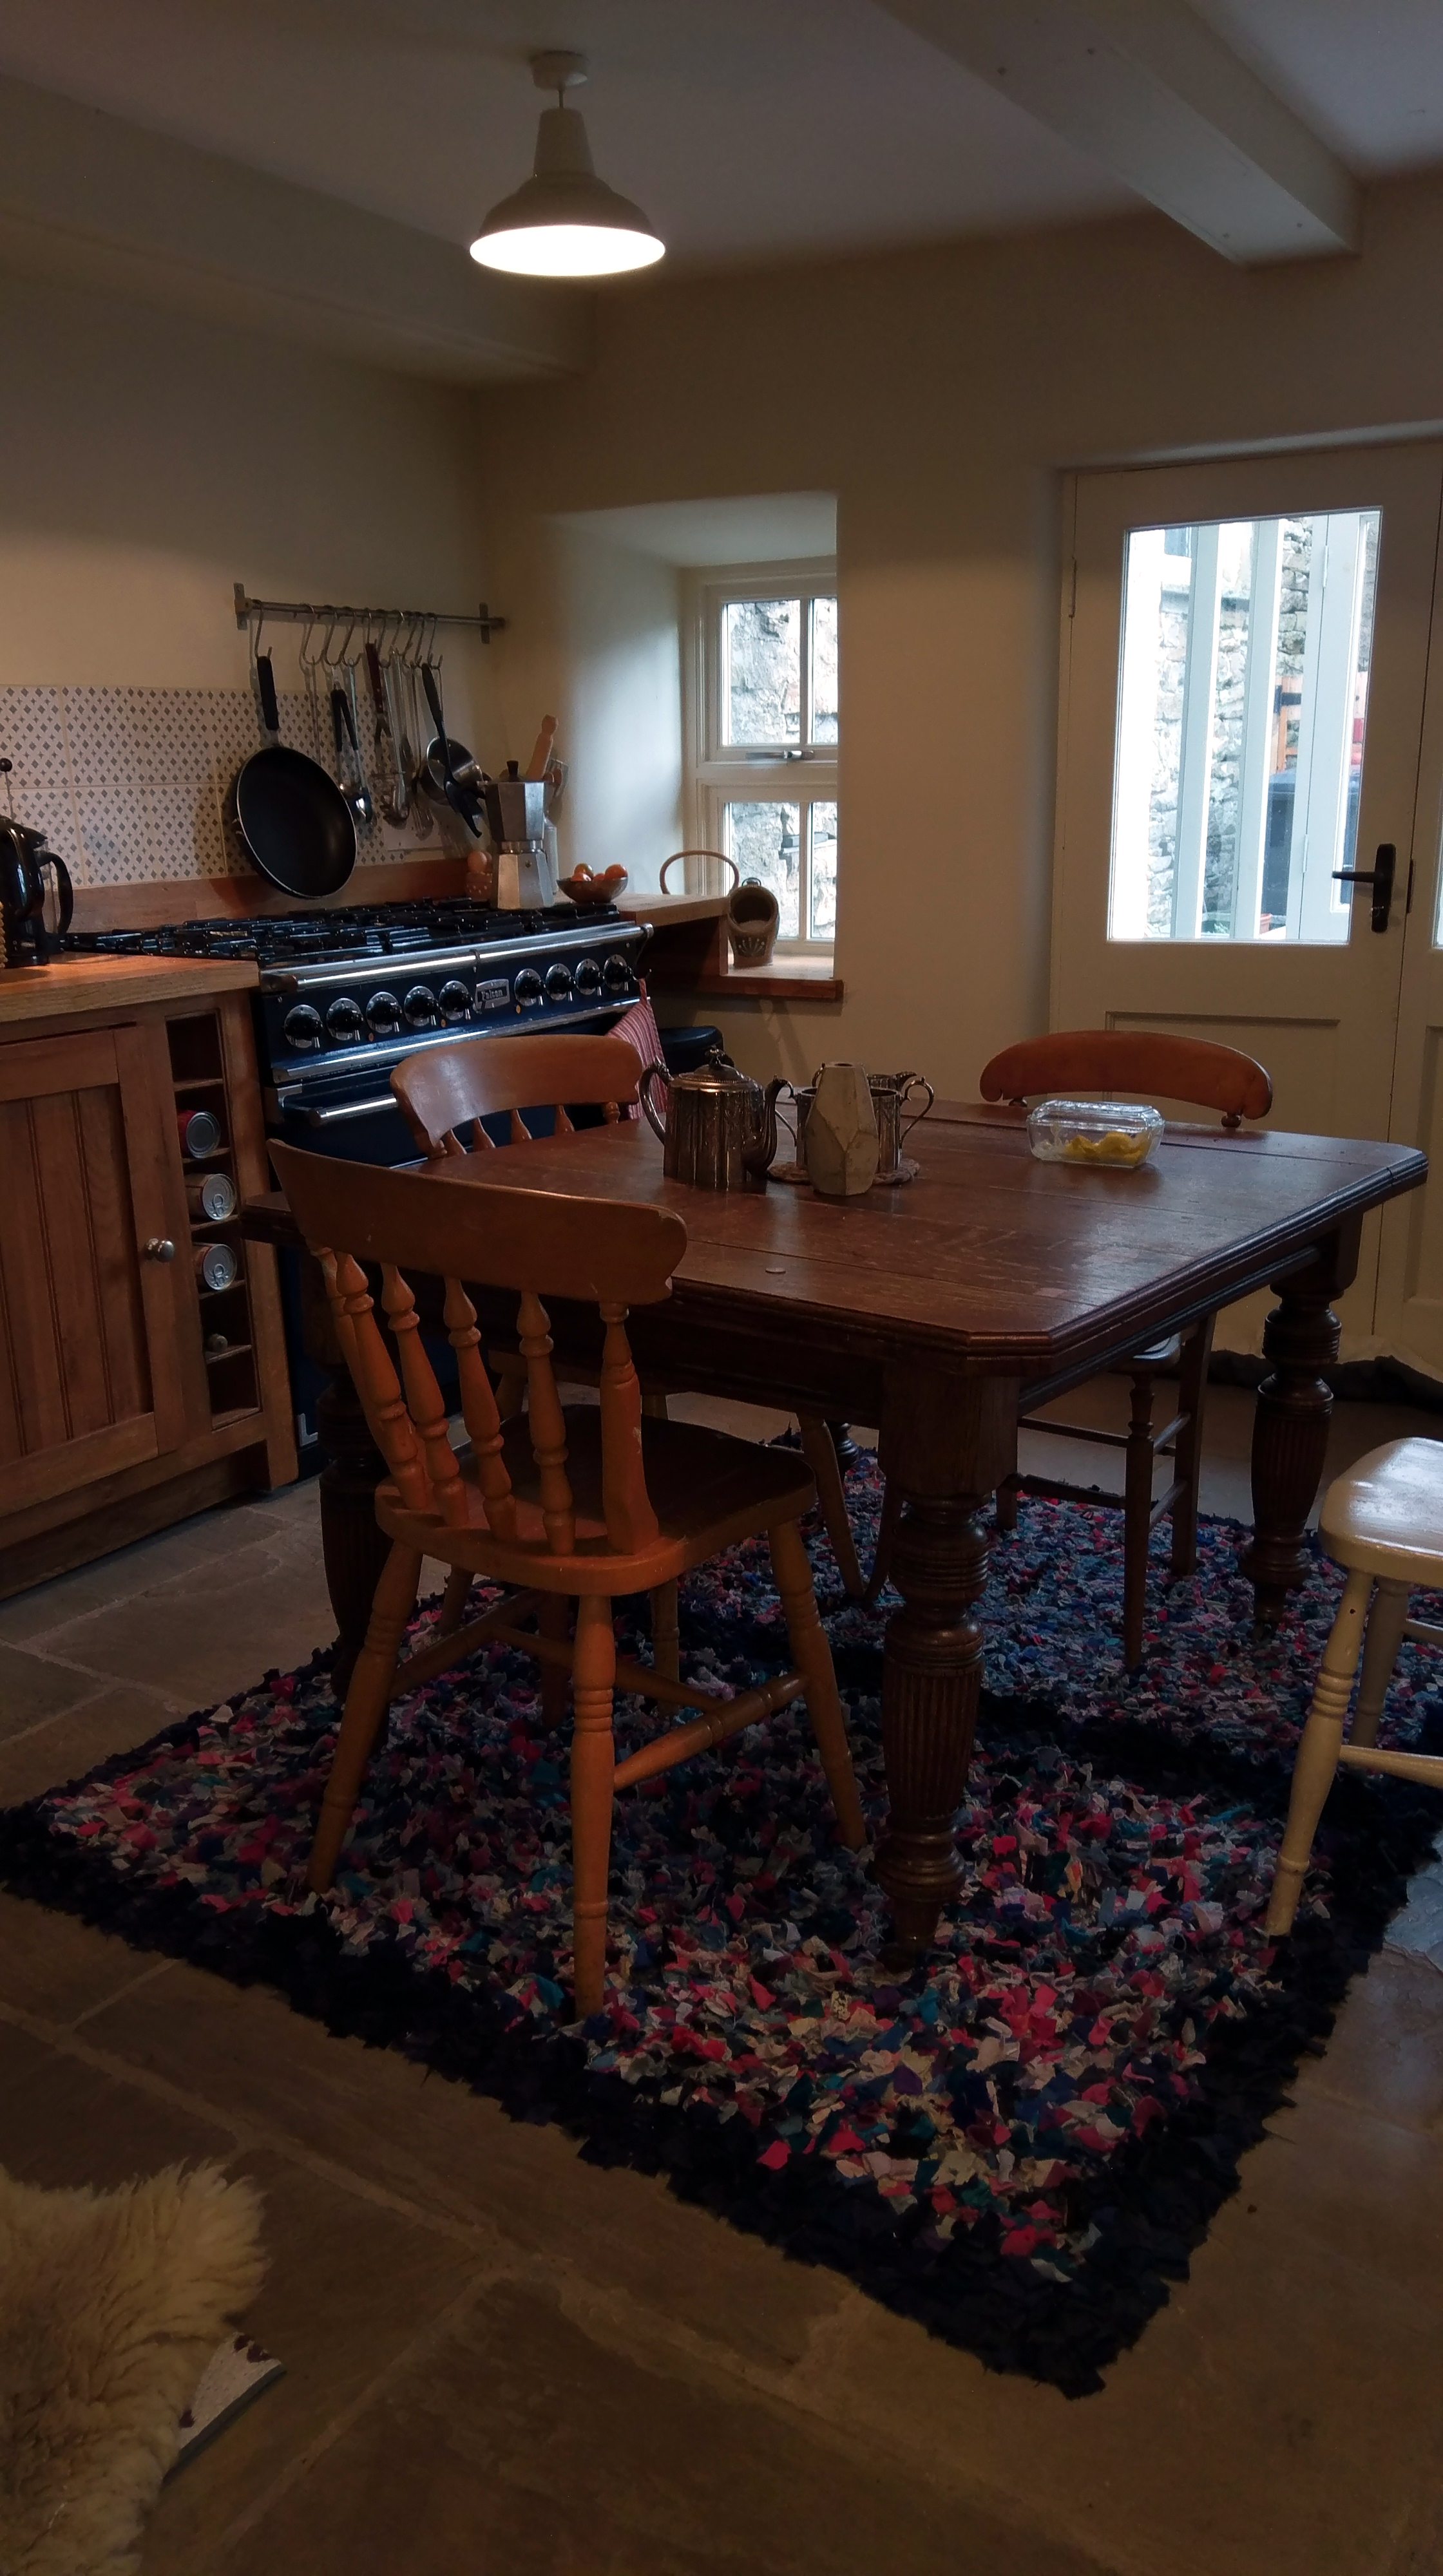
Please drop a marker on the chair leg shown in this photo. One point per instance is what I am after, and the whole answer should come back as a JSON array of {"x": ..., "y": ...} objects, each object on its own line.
[
  {"x": 593, "y": 1762},
  {"x": 367, "y": 1700},
  {"x": 1380, "y": 1654},
  {"x": 813, "y": 1658},
  {"x": 452, "y": 1610},
  {"x": 1007, "y": 1502},
  {"x": 887, "y": 1529},
  {"x": 821, "y": 1457},
  {"x": 554, "y": 1620},
  {"x": 1137, "y": 1509},
  {"x": 1187, "y": 1463},
  {"x": 1318, "y": 1748},
  {"x": 666, "y": 1632}
]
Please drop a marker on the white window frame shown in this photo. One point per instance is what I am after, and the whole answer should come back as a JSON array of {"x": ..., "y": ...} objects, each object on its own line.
[{"x": 721, "y": 774}]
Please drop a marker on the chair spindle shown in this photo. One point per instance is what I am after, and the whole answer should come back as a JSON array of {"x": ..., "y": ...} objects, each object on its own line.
[
  {"x": 378, "y": 1386},
  {"x": 548, "y": 1426},
  {"x": 479, "y": 1411},
  {"x": 423, "y": 1395}
]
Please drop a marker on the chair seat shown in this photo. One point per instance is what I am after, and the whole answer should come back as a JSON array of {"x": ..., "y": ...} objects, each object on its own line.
[
  {"x": 1159, "y": 1355},
  {"x": 1385, "y": 1516},
  {"x": 707, "y": 1489}
]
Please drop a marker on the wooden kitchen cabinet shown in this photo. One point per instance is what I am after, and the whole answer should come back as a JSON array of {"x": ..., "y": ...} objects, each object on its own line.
[{"x": 130, "y": 1396}]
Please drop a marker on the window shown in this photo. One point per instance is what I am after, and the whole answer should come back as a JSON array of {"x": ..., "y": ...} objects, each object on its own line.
[
  {"x": 1246, "y": 648},
  {"x": 764, "y": 737}
]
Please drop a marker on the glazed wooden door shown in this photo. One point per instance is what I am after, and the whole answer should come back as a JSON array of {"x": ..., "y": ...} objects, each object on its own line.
[
  {"x": 1410, "y": 1273},
  {"x": 1244, "y": 668},
  {"x": 93, "y": 1331}
]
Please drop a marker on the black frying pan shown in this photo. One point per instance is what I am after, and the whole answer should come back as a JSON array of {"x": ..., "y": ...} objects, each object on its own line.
[{"x": 292, "y": 820}]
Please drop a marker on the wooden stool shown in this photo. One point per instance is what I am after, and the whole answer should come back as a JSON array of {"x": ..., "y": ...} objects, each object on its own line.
[{"x": 1384, "y": 1522}]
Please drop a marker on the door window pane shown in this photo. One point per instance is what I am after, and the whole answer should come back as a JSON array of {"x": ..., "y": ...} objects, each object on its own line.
[
  {"x": 822, "y": 871},
  {"x": 762, "y": 672},
  {"x": 766, "y": 842},
  {"x": 824, "y": 671},
  {"x": 1246, "y": 647}
]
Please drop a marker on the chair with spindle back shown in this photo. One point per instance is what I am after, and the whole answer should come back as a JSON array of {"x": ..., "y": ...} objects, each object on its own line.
[
  {"x": 584, "y": 1503},
  {"x": 443, "y": 1089},
  {"x": 1128, "y": 1063}
]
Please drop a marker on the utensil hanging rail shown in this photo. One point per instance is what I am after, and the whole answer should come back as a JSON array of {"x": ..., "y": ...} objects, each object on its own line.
[{"x": 302, "y": 612}]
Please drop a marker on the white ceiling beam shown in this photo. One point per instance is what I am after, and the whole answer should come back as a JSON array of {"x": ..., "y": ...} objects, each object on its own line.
[
  {"x": 1148, "y": 89},
  {"x": 92, "y": 199}
]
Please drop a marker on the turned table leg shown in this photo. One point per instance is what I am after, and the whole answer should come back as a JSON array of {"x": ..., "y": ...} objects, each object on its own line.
[
  {"x": 1290, "y": 1428},
  {"x": 945, "y": 1448}
]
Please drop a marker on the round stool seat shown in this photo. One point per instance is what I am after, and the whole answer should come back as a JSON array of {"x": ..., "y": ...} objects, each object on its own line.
[{"x": 1385, "y": 1516}]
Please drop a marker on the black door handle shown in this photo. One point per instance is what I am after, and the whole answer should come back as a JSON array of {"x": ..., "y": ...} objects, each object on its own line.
[{"x": 1380, "y": 877}]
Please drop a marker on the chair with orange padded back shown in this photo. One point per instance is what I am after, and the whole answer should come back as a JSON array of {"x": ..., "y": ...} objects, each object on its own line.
[
  {"x": 579, "y": 1504},
  {"x": 1129, "y": 1064}
]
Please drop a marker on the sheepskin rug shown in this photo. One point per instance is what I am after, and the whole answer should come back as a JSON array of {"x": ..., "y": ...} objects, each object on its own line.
[{"x": 111, "y": 2303}]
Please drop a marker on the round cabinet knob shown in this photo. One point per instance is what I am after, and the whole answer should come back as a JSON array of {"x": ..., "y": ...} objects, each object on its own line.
[
  {"x": 419, "y": 1007},
  {"x": 588, "y": 978},
  {"x": 384, "y": 1013},
  {"x": 558, "y": 982},
  {"x": 160, "y": 1248},
  {"x": 528, "y": 987},
  {"x": 343, "y": 1019},
  {"x": 455, "y": 1001},
  {"x": 616, "y": 974},
  {"x": 303, "y": 1028}
]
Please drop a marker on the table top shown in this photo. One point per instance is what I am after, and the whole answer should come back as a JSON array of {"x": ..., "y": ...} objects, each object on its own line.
[{"x": 989, "y": 1259}]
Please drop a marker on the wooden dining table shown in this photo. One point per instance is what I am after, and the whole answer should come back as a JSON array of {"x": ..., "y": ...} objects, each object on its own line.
[{"x": 932, "y": 1310}]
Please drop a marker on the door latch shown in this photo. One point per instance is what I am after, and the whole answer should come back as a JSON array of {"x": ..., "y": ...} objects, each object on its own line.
[{"x": 1380, "y": 877}]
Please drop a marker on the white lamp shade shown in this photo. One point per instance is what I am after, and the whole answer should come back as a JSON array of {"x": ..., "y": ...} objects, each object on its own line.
[{"x": 564, "y": 221}]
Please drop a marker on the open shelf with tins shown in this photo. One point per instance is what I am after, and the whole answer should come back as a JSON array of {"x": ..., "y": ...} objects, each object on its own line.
[{"x": 216, "y": 1252}]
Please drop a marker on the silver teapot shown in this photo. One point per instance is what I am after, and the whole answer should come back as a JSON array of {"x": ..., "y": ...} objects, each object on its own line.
[{"x": 720, "y": 1128}]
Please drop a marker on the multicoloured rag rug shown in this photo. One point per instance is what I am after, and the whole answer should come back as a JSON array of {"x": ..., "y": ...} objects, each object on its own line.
[{"x": 1021, "y": 2144}]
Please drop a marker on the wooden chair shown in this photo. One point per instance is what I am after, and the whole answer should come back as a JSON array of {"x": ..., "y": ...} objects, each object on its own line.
[
  {"x": 443, "y": 1089},
  {"x": 558, "y": 1505},
  {"x": 1384, "y": 1522},
  {"x": 1128, "y": 1063}
]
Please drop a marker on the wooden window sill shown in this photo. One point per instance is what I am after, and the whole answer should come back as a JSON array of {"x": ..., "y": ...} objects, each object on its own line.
[{"x": 787, "y": 979}]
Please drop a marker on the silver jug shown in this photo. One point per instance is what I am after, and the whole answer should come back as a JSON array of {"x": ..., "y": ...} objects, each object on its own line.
[{"x": 720, "y": 1128}]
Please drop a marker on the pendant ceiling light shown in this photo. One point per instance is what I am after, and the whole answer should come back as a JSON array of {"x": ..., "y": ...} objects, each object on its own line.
[{"x": 565, "y": 222}]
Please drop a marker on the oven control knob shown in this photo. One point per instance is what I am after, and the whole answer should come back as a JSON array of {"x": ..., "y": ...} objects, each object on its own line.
[
  {"x": 616, "y": 974},
  {"x": 588, "y": 978},
  {"x": 528, "y": 987},
  {"x": 303, "y": 1028},
  {"x": 455, "y": 1001},
  {"x": 420, "y": 1007},
  {"x": 558, "y": 982},
  {"x": 384, "y": 1013},
  {"x": 343, "y": 1019}
]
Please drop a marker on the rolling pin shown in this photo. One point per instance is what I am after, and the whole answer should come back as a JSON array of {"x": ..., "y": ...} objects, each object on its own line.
[{"x": 539, "y": 762}]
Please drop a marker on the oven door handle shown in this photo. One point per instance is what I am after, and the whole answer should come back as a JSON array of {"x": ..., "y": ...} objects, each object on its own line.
[{"x": 351, "y": 1109}]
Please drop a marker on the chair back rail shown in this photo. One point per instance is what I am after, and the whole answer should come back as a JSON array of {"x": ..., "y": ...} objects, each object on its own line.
[
  {"x": 444, "y": 1088},
  {"x": 610, "y": 1254},
  {"x": 1197, "y": 1070}
]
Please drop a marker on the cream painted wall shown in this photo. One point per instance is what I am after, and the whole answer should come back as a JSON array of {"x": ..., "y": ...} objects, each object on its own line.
[
  {"x": 618, "y": 704},
  {"x": 940, "y": 394},
  {"x": 147, "y": 462}
]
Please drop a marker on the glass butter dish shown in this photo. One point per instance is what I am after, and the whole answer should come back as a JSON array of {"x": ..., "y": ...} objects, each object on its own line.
[{"x": 1106, "y": 1135}]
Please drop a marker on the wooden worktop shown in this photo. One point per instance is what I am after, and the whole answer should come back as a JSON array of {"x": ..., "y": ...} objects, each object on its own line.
[{"x": 82, "y": 984}]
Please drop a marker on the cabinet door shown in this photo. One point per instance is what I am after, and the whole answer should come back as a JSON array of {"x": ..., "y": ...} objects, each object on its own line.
[{"x": 93, "y": 1331}]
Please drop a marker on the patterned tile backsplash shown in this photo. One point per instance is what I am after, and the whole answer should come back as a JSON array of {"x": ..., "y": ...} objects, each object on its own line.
[{"x": 132, "y": 784}]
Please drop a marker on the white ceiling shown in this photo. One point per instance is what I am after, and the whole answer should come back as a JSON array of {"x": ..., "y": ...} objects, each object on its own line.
[
  {"x": 1366, "y": 75},
  {"x": 748, "y": 129}
]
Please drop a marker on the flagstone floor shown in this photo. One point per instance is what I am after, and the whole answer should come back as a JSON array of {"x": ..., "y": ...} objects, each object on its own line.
[{"x": 503, "y": 2360}]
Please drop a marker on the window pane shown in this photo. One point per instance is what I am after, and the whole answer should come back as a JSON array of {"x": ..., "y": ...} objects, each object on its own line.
[
  {"x": 762, "y": 671},
  {"x": 822, "y": 873},
  {"x": 766, "y": 843},
  {"x": 1246, "y": 648},
  {"x": 824, "y": 670}
]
